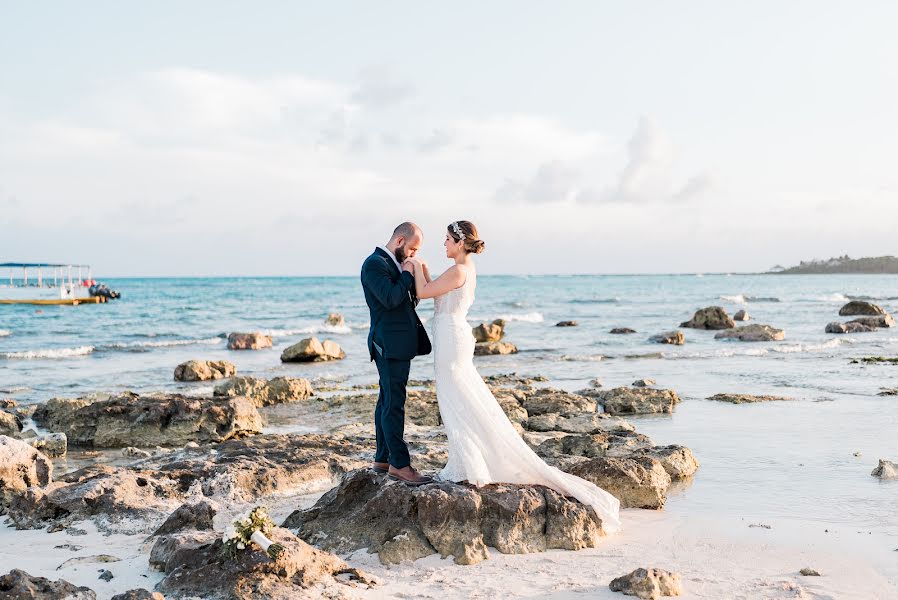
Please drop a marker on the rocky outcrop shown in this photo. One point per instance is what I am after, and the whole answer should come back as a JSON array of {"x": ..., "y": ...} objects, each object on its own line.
[
  {"x": 189, "y": 516},
  {"x": 247, "y": 469},
  {"x": 21, "y": 467},
  {"x": 313, "y": 350},
  {"x": 405, "y": 523},
  {"x": 264, "y": 393},
  {"x": 886, "y": 470},
  {"x": 132, "y": 420},
  {"x": 566, "y": 324},
  {"x": 712, "y": 317},
  {"x": 648, "y": 584},
  {"x": 851, "y": 327},
  {"x": 550, "y": 400},
  {"x": 489, "y": 332},
  {"x": 622, "y": 330},
  {"x": 201, "y": 568},
  {"x": 637, "y": 400},
  {"x": 138, "y": 498},
  {"x": 582, "y": 423},
  {"x": 861, "y": 307},
  {"x": 637, "y": 481},
  {"x": 54, "y": 445},
  {"x": 492, "y": 348},
  {"x": 884, "y": 321},
  {"x": 204, "y": 370},
  {"x": 752, "y": 333},
  {"x": 121, "y": 500},
  {"x": 248, "y": 341},
  {"x": 19, "y": 585},
  {"x": 741, "y": 315},
  {"x": 10, "y": 424},
  {"x": 671, "y": 337},
  {"x": 745, "y": 398}
]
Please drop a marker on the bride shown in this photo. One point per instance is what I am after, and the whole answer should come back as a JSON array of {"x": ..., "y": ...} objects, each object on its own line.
[{"x": 484, "y": 447}]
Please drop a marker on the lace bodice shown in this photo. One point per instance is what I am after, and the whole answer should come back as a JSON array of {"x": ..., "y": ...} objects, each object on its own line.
[{"x": 457, "y": 302}]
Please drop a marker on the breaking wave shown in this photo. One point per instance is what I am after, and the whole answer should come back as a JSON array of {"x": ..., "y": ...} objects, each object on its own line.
[{"x": 50, "y": 353}]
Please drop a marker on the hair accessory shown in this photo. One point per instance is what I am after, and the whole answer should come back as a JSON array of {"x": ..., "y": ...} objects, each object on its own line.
[{"x": 458, "y": 230}]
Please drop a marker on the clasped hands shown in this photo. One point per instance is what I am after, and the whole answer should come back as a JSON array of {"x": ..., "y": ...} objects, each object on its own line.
[{"x": 409, "y": 264}]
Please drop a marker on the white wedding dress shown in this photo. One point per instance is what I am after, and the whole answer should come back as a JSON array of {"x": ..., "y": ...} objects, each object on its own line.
[{"x": 484, "y": 447}]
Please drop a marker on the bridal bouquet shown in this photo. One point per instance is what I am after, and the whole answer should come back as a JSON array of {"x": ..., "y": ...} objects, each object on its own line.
[{"x": 251, "y": 528}]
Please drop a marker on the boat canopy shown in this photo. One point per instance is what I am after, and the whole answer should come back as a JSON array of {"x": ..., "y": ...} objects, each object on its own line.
[{"x": 38, "y": 265}]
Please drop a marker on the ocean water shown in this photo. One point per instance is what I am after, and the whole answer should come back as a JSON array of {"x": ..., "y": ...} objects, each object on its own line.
[{"x": 806, "y": 462}]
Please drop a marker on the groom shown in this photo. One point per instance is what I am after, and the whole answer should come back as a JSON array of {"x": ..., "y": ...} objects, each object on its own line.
[{"x": 395, "y": 337}]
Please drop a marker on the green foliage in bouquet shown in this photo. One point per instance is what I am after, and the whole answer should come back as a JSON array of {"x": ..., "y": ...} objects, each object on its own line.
[{"x": 250, "y": 528}]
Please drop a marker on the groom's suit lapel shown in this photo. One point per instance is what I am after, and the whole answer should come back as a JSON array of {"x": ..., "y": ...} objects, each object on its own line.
[
  {"x": 411, "y": 293},
  {"x": 390, "y": 263}
]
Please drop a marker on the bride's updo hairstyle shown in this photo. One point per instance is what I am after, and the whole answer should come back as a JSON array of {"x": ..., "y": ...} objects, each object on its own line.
[{"x": 465, "y": 230}]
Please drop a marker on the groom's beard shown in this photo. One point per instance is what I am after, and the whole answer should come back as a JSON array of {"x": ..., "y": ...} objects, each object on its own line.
[{"x": 399, "y": 253}]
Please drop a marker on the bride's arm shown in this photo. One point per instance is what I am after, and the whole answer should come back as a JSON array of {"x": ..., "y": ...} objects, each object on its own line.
[
  {"x": 454, "y": 277},
  {"x": 426, "y": 271}
]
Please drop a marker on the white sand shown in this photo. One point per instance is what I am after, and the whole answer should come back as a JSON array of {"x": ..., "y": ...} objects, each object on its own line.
[{"x": 717, "y": 559}]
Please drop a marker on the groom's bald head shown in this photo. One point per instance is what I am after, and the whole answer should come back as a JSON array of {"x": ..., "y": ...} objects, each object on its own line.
[{"x": 406, "y": 240}]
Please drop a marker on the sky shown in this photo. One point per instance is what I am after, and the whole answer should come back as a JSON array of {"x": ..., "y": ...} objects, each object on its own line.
[{"x": 288, "y": 138}]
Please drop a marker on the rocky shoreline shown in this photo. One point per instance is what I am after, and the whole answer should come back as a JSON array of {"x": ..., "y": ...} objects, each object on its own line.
[{"x": 185, "y": 456}]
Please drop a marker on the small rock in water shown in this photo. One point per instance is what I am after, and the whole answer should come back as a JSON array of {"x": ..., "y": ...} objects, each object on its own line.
[
  {"x": 489, "y": 332},
  {"x": 648, "y": 584},
  {"x": 752, "y": 333},
  {"x": 622, "y": 330},
  {"x": 105, "y": 575},
  {"x": 643, "y": 383},
  {"x": 888, "y": 392},
  {"x": 860, "y": 307},
  {"x": 741, "y": 316},
  {"x": 712, "y": 317},
  {"x": 809, "y": 572},
  {"x": 566, "y": 324},
  {"x": 886, "y": 470},
  {"x": 204, "y": 370},
  {"x": 745, "y": 398},
  {"x": 335, "y": 320},
  {"x": 596, "y": 383},
  {"x": 760, "y": 525},
  {"x": 312, "y": 350},
  {"x": 248, "y": 341},
  {"x": 490, "y": 348},
  {"x": 671, "y": 337}
]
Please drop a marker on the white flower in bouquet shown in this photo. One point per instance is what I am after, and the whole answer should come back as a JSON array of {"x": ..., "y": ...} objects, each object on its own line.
[{"x": 251, "y": 528}]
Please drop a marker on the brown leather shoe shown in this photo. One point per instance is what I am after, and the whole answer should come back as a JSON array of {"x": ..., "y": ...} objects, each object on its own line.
[
  {"x": 380, "y": 468},
  {"x": 408, "y": 476}
]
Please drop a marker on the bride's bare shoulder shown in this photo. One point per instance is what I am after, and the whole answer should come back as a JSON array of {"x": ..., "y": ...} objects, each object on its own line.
[{"x": 456, "y": 274}]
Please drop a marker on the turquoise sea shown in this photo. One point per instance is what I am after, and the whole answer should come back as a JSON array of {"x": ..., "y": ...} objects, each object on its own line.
[{"x": 804, "y": 464}]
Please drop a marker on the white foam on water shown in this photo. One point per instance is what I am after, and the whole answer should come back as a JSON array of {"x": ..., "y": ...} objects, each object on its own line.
[
  {"x": 531, "y": 317},
  {"x": 50, "y": 353},
  {"x": 827, "y": 345},
  {"x": 738, "y": 299},
  {"x": 164, "y": 343},
  {"x": 583, "y": 357},
  {"x": 5, "y": 332},
  {"x": 833, "y": 298},
  {"x": 311, "y": 329}
]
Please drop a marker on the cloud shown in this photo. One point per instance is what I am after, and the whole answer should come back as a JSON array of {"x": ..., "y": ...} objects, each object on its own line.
[
  {"x": 437, "y": 140},
  {"x": 647, "y": 176},
  {"x": 379, "y": 89},
  {"x": 552, "y": 182}
]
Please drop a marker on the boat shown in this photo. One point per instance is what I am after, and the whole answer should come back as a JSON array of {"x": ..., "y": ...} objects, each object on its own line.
[{"x": 53, "y": 284}]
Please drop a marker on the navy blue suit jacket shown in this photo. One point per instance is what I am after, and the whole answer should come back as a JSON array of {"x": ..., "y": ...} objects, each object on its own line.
[{"x": 389, "y": 293}]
